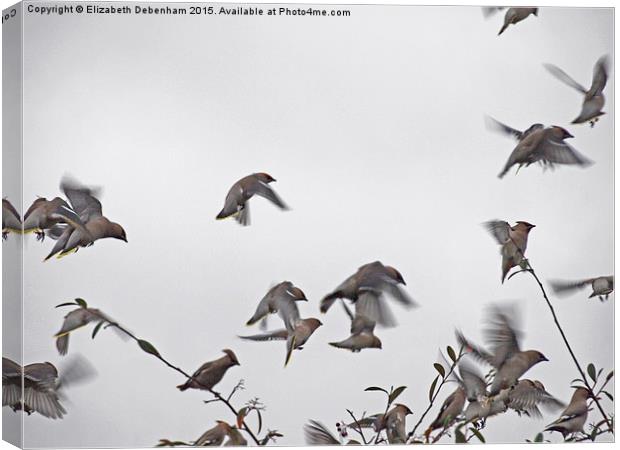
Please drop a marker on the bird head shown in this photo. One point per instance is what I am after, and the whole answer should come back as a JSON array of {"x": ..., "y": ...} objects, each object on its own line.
[
  {"x": 404, "y": 408},
  {"x": 561, "y": 133},
  {"x": 313, "y": 323},
  {"x": 535, "y": 12},
  {"x": 297, "y": 294},
  {"x": 534, "y": 357},
  {"x": 232, "y": 357},
  {"x": 525, "y": 225},
  {"x": 265, "y": 177},
  {"x": 376, "y": 343},
  {"x": 395, "y": 274},
  {"x": 224, "y": 425},
  {"x": 117, "y": 232}
]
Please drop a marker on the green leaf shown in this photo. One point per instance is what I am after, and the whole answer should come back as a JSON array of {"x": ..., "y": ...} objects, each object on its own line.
[
  {"x": 592, "y": 372},
  {"x": 375, "y": 388},
  {"x": 451, "y": 353},
  {"x": 440, "y": 369},
  {"x": 610, "y": 375},
  {"x": 394, "y": 395},
  {"x": 148, "y": 347},
  {"x": 609, "y": 396},
  {"x": 432, "y": 389},
  {"x": 81, "y": 302},
  {"x": 477, "y": 434},
  {"x": 97, "y": 328},
  {"x": 459, "y": 437},
  {"x": 538, "y": 438},
  {"x": 66, "y": 304}
]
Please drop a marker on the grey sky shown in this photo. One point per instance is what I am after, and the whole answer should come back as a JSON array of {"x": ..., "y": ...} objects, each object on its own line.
[{"x": 373, "y": 126}]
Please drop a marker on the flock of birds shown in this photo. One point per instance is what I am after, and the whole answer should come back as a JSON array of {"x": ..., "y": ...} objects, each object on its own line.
[{"x": 78, "y": 222}]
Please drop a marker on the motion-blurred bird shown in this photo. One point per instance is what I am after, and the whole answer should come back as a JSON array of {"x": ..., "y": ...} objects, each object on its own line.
[
  {"x": 505, "y": 356},
  {"x": 74, "y": 320},
  {"x": 362, "y": 329},
  {"x": 513, "y": 241},
  {"x": 236, "y": 203},
  {"x": 373, "y": 277},
  {"x": 574, "y": 417},
  {"x": 541, "y": 145},
  {"x": 512, "y": 17},
  {"x": 297, "y": 331},
  {"x": 211, "y": 373},
  {"x": 11, "y": 220},
  {"x": 41, "y": 385},
  {"x": 317, "y": 434},
  {"x": 602, "y": 287},
  {"x": 281, "y": 292},
  {"x": 481, "y": 404},
  {"x": 450, "y": 409},
  {"x": 394, "y": 422},
  {"x": 594, "y": 100},
  {"x": 528, "y": 395},
  {"x": 88, "y": 208},
  {"x": 44, "y": 214}
]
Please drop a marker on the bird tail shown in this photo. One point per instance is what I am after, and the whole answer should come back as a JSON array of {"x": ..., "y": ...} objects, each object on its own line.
[
  {"x": 184, "y": 386},
  {"x": 62, "y": 343},
  {"x": 222, "y": 214},
  {"x": 503, "y": 29},
  {"x": 243, "y": 216}
]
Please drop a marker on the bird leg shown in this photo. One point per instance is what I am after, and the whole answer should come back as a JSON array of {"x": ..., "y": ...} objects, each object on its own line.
[{"x": 40, "y": 235}]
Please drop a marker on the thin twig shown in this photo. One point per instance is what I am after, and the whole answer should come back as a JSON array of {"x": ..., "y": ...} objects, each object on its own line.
[
  {"x": 436, "y": 393},
  {"x": 359, "y": 430},
  {"x": 188, "y": 376},
  {"x": 530, "y": 269}
]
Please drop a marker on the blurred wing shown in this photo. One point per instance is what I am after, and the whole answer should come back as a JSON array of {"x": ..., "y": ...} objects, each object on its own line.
[
  {"x": 488, "y": 11},
  {"x": 499, "y": 229},
  {"x": 317, "y": 434},
  {"x": 44, "y": 401},
  {"x": 373, "y": 306},
  {"x": 263, "y": 190},
  {"x": 279, "y": 335},
  {"x": 559, "y": 152},
  {"x": 82, "y": 199},
  {"x": 362, "y": 324},
  {"x": 473, "y": 381},
  {"x": 288, "y": 311},
  {"x": 564, "y": 77},
  {"x": 76, "y": 371},
  {"x": 502, "y": 335},
  {"x": 566, "y": 287},
  {"x": 599, "y": 77},
  {"x": 496, "y": 125}
]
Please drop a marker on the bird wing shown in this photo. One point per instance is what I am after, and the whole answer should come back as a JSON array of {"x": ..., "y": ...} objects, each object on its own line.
[
  {"x": 11, "y": 219},
  {"x": 264, "y": 190},
  {"x": 34, "y": 206},
  {"x": 477, "y": 352},
  {"x": 496, "y": 125},
  {"x": 488, "y": 11},
  {"x": 82, "y": 200},
  {"x": 317, "y": 434},
  {"x": 559, "y": 152},
  {"x": 44, "y": 401},
  {"x": 10, "y": 368},
  {"x": 288, "y": 311},
  {"x": 473, "y": 381},
  {"x": 372, "y": 304},
  {"x": 566, "y": 287},
  {"x": 44, "y": 374},
  {"x": 278, "y": 335},
  {"x": 564, "y": 77},
  {"x": 500, "y": 230},
  {"x": 599, "y": 77},
  {"x": 502, "y": 335},
  {"x": 361, "y": 324}
]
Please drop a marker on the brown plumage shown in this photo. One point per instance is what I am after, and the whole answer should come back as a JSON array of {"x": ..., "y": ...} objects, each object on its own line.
[
  {"x": 236, "y": 203},
  {"x": 45, "y": 214},
  {"x": 362, "y": 328},
  {"x": 214, "y": 437},
  {"x": 528, "y": 395},
  {"x": 211, "y": 373},
  {"x": 515, "y": 15},
  {"x": 394, "y": 422},
  {"x": 11, "y": 220},
  {"x": 451, "y": 408},
  {"x": 574, "y": 417},
  {"x": 513, "y": 241},
  {"x": 602, "y": 287},
  {"x": 269, "y": 304}
]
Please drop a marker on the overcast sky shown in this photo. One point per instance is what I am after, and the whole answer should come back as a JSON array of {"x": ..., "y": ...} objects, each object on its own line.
[{"x": 373, "y": 126}]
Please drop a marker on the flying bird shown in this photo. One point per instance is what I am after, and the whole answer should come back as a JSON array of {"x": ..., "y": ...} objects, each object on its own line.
[
  {"x": 41, "y": 385},
  {"x": 211, "y": 373},
  {"x": 574, "y": 417},
  {"x": 539, "y": 144},
  {"x": 512, "y": 17},
  {"x": 236, "y": 203},
  {"x": 11, "y": 220},
  {"x": 281, "y": 292},
  {"x": 513, "y": 242},
  {"x": 75, "y": 320},
  {"x": 45, "y": 214},
  {"x": 594, "y": 100},
  {"x": 214, "y": 437},
  {"x": 89, "y": 210},
  {"x": 297, "y": 331},
  {"x": 602, "y": 287},
  {"x": 362, "y": 327},
  {"x": 505, "y": 354},
  {"x": 481, "y": 403},
  {"x": 317, "y": 434},
  {"x": 373, "y": 277}
]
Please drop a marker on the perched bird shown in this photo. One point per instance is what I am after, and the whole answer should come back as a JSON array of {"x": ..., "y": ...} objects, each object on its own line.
[
  {"x": 11, "y": 220},
  {"x": 374, "y": 277},
  {"x": 513, "y": 15},
  {"x": 215, "y": 436},
  {"x": 505, "y": 356},
  {"x": 601, "y": 286},
  {"x": 362, "y": 330},
  {"x": 394, "y": 422},
  {"x": 236, "y": 203},
  {"x": 593, "y": 100},
  {"x": 211, "y": 373},
  {"x": 41, "y": 385},
  {"x": 574, "y": 417},
  {"x": 513, "y": 241},
  {"x": 235, "y": 438},
  {"x": 539, "y": 144},
  {"x": 317, "y": 434},
  {"x": 281, "y": 292},
  {"x": 89, "y": 210},
  {"x": 44, "y": 214},
  {"x": 450, "y": 409},
  {"x": 74, "y": 320},
  {"x": 297, "y": 331},
  {"x": 528, "y": 395},
  {"x": 481, "y": 404}
]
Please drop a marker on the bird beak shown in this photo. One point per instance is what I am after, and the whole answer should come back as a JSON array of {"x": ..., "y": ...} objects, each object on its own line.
[
  {"x": 545, "y": 358},
  {"x": 568, "y": 135}
]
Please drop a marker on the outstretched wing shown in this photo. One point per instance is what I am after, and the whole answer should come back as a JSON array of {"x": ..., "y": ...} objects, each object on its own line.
[{"x": 564, "y": 77}]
